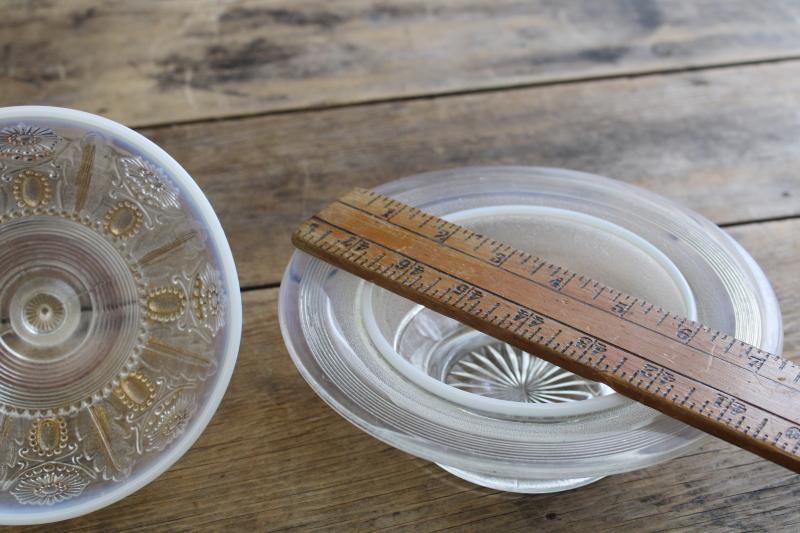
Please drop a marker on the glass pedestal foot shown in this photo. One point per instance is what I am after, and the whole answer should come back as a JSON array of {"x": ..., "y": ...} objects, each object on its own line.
[{"x": 526, "y": 486}]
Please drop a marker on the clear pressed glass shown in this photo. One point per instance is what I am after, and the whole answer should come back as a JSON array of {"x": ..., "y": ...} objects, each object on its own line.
[
  {"x": 495, "y": 415},
  {"x": 119, "y": 312}
]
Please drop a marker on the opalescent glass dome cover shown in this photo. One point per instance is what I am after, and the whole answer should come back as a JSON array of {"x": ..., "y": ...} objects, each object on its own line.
[{"x": 119, "y": 312}]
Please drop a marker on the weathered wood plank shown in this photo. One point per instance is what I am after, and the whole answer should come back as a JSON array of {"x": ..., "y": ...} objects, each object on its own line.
[
  {"x": 275, "y": 457},
  {"x": 722, "y": 142},
  {"x": 159, "y": 62}
]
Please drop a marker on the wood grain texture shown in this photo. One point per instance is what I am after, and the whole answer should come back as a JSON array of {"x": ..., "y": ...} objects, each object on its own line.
[
  {"x": 722, "y": 142},
  {"x": 152, "y": 62},
  {"x": 276, "y": 458}
]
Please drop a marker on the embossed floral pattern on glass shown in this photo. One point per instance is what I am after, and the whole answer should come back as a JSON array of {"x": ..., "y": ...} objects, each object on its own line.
[{"x": 111, "y": 309}]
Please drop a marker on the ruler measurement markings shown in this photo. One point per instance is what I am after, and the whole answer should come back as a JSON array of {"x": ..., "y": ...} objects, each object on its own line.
[
  {"x": 775, "y": 431},
  {"x": 466, "y": 289},
  {"x": 555, "y": 270}
]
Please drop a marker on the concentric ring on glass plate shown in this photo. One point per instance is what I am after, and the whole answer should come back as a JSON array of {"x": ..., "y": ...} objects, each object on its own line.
[
  {"x": 506, "y": 407},
  {"x": 343, "y": 335},
  {"x": 150, "y": 258}
]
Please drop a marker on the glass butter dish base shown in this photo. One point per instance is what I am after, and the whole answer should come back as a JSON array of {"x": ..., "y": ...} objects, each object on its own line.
[{"x": 483, "y": 410}]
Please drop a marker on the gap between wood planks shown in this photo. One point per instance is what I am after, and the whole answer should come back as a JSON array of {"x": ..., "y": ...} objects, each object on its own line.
[
  {"x": 489, "y": 90},
  {"x": 481, "y": 90},
  {"x": 757, "y": 221}
]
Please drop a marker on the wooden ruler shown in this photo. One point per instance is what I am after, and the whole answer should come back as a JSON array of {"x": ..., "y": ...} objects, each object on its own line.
[{"x": 693, "y": 373}]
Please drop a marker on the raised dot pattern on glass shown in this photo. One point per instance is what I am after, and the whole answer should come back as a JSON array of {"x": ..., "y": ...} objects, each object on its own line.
[{"x": 111, "y": 311}]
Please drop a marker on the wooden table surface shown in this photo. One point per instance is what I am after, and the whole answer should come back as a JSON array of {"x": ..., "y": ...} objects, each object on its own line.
[{"x": 277, "y": 107}]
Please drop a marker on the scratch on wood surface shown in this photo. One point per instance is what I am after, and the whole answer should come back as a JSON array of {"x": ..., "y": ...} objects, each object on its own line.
[
  {"x": 188, "y": 91},
  {"x": 306, "y": 186},
  {"x": 710, "y": 360}
]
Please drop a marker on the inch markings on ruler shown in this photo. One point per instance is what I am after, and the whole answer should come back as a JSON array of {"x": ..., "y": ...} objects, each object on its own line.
[{"x": 738, "y": 392}]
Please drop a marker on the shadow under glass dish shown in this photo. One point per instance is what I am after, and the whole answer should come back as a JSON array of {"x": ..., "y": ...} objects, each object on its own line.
[{"x": 490, "y": 413}]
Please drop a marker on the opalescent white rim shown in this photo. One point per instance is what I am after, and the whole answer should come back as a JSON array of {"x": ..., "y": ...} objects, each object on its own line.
[
  {"x": 199, "y": 202},
  {"x": 506, "y": 407}
]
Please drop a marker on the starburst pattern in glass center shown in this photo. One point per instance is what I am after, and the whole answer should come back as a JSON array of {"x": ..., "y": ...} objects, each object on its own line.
[{"x": 507, "y": 373}]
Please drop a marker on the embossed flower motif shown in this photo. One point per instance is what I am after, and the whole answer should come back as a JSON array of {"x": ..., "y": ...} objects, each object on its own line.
[
  {"x": 207, "y": 299},
  {"x": 48, "y": 484},
  {"x": 168, "y": 421},
  {"x": 27, "y": 142},
  {"x": 149, "y": 183}
]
